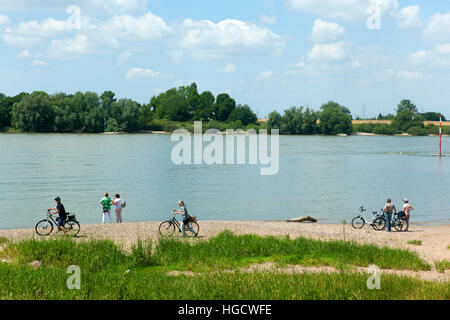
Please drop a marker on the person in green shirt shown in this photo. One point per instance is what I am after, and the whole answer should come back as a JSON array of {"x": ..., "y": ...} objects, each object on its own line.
[{"x": 106, "y": 203}]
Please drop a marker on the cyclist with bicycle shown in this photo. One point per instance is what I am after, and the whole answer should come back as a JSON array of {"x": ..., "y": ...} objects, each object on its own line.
[
  {"x": 186, "y": 218},
  {"x": 389, "y": 208},
  {"x": 61, "y": 211}
]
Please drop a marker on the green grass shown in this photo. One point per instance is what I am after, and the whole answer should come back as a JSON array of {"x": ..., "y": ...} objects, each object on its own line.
[
  {"x": 229, "y": 251},
  {"x": 415, "y": 242},
  {"x": 442, "y": 265},
  {"x": 3, "y": 240},
  {"x": 103, "y": 267}
]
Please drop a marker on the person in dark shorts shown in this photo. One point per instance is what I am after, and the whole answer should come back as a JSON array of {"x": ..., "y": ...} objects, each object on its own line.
[
  {"x": 389, "y": 208},
  {"x": 61, "y": 211},
  {"x": 186, "y": 218}
]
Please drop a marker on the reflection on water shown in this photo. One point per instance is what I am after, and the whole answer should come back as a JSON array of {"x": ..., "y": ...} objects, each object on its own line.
[{"x": 325, "y": 177}]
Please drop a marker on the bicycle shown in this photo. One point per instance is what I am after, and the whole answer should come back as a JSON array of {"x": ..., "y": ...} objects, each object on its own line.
[
  {"x": 45, "y": 227},
  {"x": 167, "y": 228},
  {"x": 360, "y": 221},
  {"x": 398, "y": 222}
]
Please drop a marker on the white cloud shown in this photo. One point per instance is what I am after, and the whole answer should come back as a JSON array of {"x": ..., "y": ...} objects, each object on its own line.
[
  {"x": 405, "y": 74},
  {"x": 442, "y": 49},
  {"x": 77, "y": 45},
  {"x": 176, "y": 56},
  {"x": 38, "y": 63},
  {"x": 20, "y": 41},
  {"x": 328, "y": 51},
  {"x": 123, "y": 57},
  {"x": 139, "y": 73},
  {"x": 419, "y": 56},
  {"x": 4, "y": 19},
  {"x": 229, "y": 68},
  {"x": 146, "y": 27},
  {"x": 438, "y": 28},
  {"x": 265, "y": 75},
  {"x": 208, "y": 39},
  {"x": 25, "y": 55},
  {"x": 349, "y": 10},
  {"x": 324, "y": 31},
  {"x": 409, "y": 17},
  {"x": 268, "y": 19},
  {"x": 108, "y": 6}
]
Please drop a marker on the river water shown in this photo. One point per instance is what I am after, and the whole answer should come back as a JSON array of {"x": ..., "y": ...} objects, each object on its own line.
[{"x": 325, "y": 177}]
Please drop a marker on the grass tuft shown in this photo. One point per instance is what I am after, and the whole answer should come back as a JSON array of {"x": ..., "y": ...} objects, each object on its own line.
[
  {"x": 3, "y": 240},
  {"x": 442, "y": 266},
  {"x": 415, "y": 242}
]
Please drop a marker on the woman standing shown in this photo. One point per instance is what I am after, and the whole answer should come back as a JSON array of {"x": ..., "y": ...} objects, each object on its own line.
[{"x": 118, "y": 208}]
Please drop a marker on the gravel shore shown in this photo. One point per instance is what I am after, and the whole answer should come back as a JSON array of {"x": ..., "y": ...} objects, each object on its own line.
[{"x": 435, "y": 239}]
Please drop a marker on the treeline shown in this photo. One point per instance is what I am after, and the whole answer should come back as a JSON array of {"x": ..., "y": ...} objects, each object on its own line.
[
  {"x": 179, "y": 107},
  {"x": 90, "y": 112},
  {"x": 334, "y": 119},
  {"x": 407, "y": 120}
]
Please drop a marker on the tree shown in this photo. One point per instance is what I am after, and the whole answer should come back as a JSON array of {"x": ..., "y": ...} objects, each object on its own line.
[
  {"x": 129, "y": 120},
  {"x": 407, "y": 105},
  {"x": 335, "y": 119},
  {"x": 107, "y": 98},
  {"x": 244, "y": 114},
  {"x": 223, "y": 107},
  {"x": 432, "y": 116},
  {"x": 292, "y": 121},
  {"x": 205, "y": 108},
  {"x": 405, "y": 120},
  {"x": 34, "y": 113},
  {"x": 274, "y": 121},
  {"x": 310, "y": 119}
]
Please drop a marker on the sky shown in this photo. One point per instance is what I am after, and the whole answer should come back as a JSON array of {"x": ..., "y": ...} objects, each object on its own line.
[{"x": 364, "y": 54}]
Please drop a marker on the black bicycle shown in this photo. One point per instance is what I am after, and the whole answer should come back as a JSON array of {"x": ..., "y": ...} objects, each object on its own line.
[
  {"x": 398, "y": 222},
  {"x": 167, "y": 228},
  {"x": 45, "y": 227}
]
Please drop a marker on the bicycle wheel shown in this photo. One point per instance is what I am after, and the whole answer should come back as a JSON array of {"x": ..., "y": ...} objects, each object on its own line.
[
  {"x": 72, "y": 227},
  {"x": 400, "y": 225},
  {"x": 379, "y": 224},
  {"x": 194, "y": 226},
  {"x": 44, "y": 228},
  {"x": 167, "y": 229},
  {"x": 358, "y": 223}
]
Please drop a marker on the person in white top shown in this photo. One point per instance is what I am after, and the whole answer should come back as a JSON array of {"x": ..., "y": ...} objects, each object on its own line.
[
  {"x": 118, "y": 208},
  {"x": 407, "y": 208}
]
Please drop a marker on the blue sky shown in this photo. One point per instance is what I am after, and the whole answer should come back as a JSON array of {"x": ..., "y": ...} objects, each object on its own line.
[{"x": 365, "y": 54}]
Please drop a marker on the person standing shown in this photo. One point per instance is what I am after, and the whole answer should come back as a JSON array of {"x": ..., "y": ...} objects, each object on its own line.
[
  {"x": 61, "y": 211},
  {"x": 118, "y": 202},
  {"x": 407, "y": 208},
  {"x": 106, "y": 205},
  {"x": 389, "y": 208}
]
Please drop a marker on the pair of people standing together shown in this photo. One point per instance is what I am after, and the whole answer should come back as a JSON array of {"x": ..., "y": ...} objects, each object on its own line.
[
  {"x": 390, "y": 208},
  {"x": 107, "y": 203}
]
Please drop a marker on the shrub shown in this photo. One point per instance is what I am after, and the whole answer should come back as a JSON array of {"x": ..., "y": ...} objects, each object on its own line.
[{"x": 417, "y": 131}]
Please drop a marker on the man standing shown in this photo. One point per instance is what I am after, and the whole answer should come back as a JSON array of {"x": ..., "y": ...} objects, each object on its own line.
[
  {"x": 106, "y": 203},
  {"x": 407, "y": 208},
  {"x": 62, "y": 214},
  {"x": 389, "y": 208}
]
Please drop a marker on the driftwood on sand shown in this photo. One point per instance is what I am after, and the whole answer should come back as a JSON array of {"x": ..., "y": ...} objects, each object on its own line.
[{"x": 303, "y": 219}]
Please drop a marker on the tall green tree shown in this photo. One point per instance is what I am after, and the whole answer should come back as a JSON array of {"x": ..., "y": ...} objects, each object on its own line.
[
  {"x": 223, "y": 107},
  {"x": 407, "y": 105},
  {"x": 335, "y": 119},
  {"x": 34, "y": 113},
  {"x": 244, "y": 114},
  {"x": 274, "y": 121}
]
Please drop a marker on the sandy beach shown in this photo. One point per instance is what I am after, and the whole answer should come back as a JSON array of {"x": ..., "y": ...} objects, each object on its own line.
[{"x": 435, "y": 239}]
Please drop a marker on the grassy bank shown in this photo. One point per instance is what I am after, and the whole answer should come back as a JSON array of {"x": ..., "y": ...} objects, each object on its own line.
[{"x": 107, "y": 272}]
